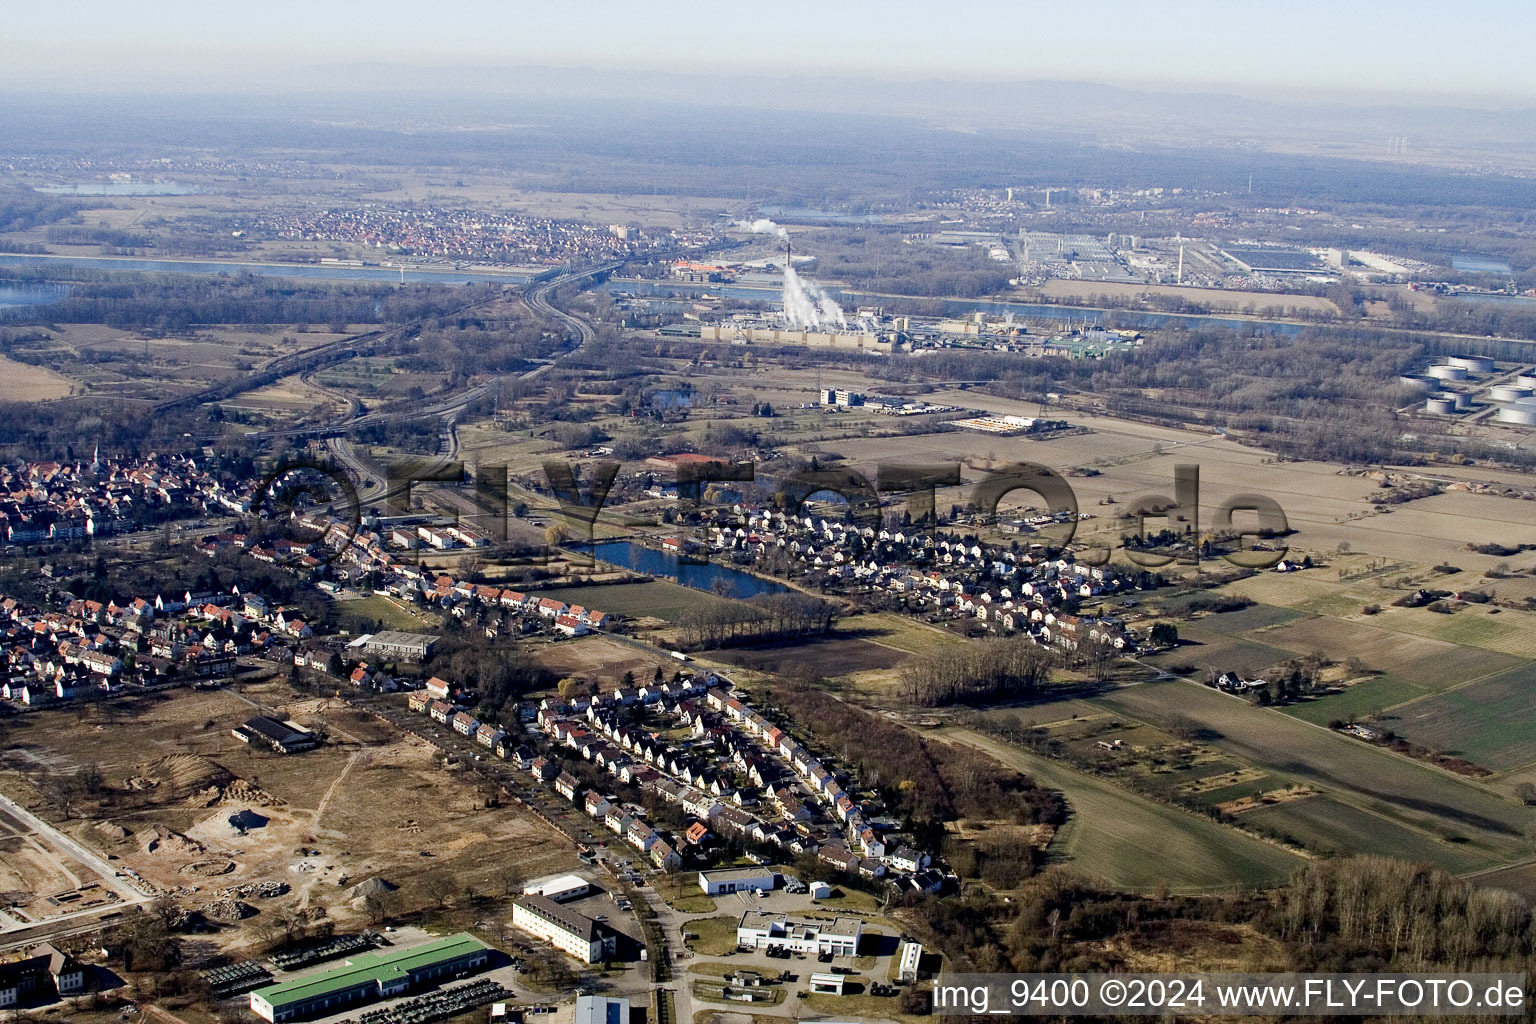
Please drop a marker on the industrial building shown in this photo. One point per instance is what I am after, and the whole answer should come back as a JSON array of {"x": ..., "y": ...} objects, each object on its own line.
[
  {"x": 1273, "y": 260},
  {"x": 729, "y": 880},
  {"x": 283, "y": 736},
  {"x": 857, "y": 341},
  {"x": 841, "y": 396},
  {"x": 392, "y": 644},
  {"x": 574, "y": 934},
  {"x": 602, "y": 1010},
  {"x": 826, "y": 984},
  {"x": 369, "y": 976},
  {"x": 909, "y": 961},
  {"x": 1003, "y": 425},
  {"x": 760, "y": 930},
  {"x": 560, "y": 888}
]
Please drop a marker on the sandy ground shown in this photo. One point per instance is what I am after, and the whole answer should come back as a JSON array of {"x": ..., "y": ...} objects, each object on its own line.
[{"x": 368, "y": 803}]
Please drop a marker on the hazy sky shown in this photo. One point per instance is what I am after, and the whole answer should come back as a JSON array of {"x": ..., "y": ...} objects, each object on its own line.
[{"x": 1474, "y": 49}]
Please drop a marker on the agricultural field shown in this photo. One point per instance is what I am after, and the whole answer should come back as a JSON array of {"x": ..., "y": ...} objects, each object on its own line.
[
  {"x": 22, "y": 382},
  {"x": 835, "y": 656},
  {"x": 1112, "y": 830},
  {"x": 1356, "y": 701},
  {"x": 1242, "y": 620},
  {"x": 1331, "y": 828},
  {"x": 1519, "y": 879},
  {"x": 1210, "y": 651},
  {"x": 1488, "y": 721},
  {"x": 601, "y": 658},
  {"x": 1493, "y": 629},
  {"x": 1380, "y": 650},
  {"x": 1477, "y": 820}
]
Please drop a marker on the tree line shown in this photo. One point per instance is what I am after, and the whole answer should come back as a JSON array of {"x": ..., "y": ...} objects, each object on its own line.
[
  {"x": 986, "y": 670},
  {"x": 761, "y": 618}
]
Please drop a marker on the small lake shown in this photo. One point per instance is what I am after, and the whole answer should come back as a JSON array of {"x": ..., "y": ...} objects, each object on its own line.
[
  {"x": 672, "y": 399},
  {"x": 13, "y": 296},
  {"x": 699, "y": 576}
]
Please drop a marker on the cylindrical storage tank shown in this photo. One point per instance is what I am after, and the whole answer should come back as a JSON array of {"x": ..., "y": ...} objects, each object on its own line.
[
  {"x": 1462, "y": 401},
  {"x": 1477, "y": 364},
  {"x": 1508, "y": 392},
  {"x": 1445, "y": 371},
  {"x": 1440, "y": 405},
  {"x": 1408, "y": 380},
  {"x": 1521, "y": 413},
  {"x": 1527, "y": 380}
]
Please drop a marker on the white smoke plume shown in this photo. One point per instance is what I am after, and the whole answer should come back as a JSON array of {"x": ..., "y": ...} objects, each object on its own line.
[
  {"x": 807, "y": 306},
  {"x": 761, "y": 226}
]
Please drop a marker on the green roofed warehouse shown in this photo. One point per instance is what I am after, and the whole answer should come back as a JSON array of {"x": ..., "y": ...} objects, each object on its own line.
[{"x": 368, "y": 976}]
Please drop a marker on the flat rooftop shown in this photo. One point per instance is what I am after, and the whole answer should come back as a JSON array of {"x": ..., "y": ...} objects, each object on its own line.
[
  {"x": 381, "y": 965},
  {"x": 731, "y": 874}
]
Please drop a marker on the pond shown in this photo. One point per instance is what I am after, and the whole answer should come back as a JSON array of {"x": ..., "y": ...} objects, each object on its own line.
[{"x": 689, "y": 572}]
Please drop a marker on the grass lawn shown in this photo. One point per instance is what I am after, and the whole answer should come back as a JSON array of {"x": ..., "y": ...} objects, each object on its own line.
[
  {"x": 861, "y": 1005},
  {"x": 695, "y": 903},
  {"x": 711, "y": 936},
  {"x": 849, "y": 899},
  {"x": 389, "y": 613},
  {"x": 713, "y": 968}
]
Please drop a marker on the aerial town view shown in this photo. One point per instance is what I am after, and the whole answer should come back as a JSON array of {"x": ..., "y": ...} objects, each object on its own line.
[{"x": 690, "y": 515}]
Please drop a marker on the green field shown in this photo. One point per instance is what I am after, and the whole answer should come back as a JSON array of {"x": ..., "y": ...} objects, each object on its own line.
[
  {"x": 1137, "y": 844},
  {"x": 1363, "y": 776},
  {"x": 1507, "y": 632},
  {"x": 389, "y": 613},
  {"x": 1357, "y": 701},
  {"x": 1491, "y": 722},
  {"x": 659, "y": 598},
  {"x": 1328, "y": 827},
  {"x": 1455, "y": 666},
  {"x": 1242, "y": 620}
]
